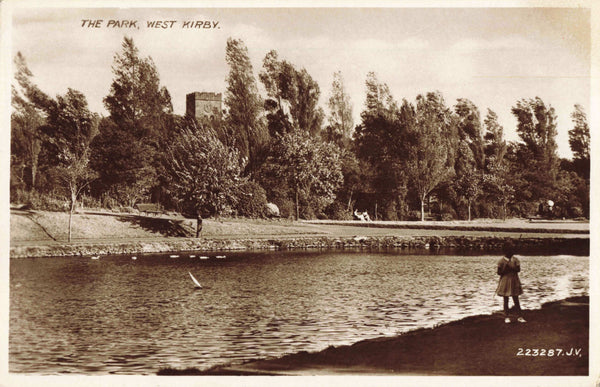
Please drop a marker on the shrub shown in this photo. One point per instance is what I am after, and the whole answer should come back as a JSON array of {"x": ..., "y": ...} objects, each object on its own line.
[
  {"x": 488, "y": 209},
  {"x": 414, "y": 215},
  {"x": 306, "y": 211},
  {"x": 338, "y": 211},
  {"x": 446, "y": 216},
  {"x": 107, "y": 201},
  {"x": 576, "y": 212},
  {"x": 18, "y": 196},
  {"x": 89, "y": 202},
  {"x": 388, "y": 210},
  {"x": 252, "y": 200},
  {"x": 43, "y": 202},
  {"x": 287, "y": 207}
]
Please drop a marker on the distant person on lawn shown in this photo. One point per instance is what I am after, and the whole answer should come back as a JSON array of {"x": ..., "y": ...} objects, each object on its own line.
[
  {"x": 509, "y": 284},
  {"x": 358, "y": 216}
]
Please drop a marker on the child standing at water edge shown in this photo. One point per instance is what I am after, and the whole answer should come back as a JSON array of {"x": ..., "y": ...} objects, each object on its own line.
[{"x": 509, "y": 284}]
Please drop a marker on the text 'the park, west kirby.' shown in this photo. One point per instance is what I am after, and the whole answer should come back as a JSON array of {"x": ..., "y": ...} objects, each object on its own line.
[{"x": 157, "y": 24}]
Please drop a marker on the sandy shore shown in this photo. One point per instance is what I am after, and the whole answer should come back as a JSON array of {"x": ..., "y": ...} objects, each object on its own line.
[{"x": 554, "y": 341}]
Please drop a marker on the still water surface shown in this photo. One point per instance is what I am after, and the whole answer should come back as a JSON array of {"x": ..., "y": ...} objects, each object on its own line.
[{"x": 124, "y": 316}]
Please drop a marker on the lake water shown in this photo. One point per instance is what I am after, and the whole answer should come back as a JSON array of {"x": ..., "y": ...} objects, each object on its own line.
[{"x": 124, "y": 316}]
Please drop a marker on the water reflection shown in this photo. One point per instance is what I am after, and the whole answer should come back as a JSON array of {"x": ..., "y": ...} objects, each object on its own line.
[{"x": 116, "y": 315}]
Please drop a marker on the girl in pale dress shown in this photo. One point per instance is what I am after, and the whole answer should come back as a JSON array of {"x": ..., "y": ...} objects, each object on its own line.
[{"x": 509, "y": 284}]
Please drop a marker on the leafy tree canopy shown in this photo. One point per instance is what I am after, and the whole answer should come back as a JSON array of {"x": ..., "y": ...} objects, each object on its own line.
[{"x": 293, "y": 97}]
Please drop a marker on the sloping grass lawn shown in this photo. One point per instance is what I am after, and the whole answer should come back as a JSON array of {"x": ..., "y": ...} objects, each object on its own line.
[
  {"x": 53, "y": 226},
  {"x": 44, "y": 226}
]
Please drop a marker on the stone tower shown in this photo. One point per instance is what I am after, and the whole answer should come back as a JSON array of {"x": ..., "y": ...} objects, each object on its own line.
[{"x": 203, "y": 104}]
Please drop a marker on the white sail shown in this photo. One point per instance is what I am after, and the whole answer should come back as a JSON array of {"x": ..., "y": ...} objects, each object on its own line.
[{"x": 195, "y": 280}]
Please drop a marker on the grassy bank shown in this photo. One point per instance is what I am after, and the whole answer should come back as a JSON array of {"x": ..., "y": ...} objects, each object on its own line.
[
  {"x": 53, "y": 226},
  {"x": 36, "y": 233},
  {"x": 478, "y": 345}
]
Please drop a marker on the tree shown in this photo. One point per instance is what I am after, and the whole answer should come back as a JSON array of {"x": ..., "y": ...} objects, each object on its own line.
[
  {"x": 310, "y": 168},
  {"x": 577, "y": 193},
  {"x": 470, "y": 159},
  {"x": 71, "y": 127},
  {"x": 25, "y": 147},
  {"x": 340, "y": 119},
  {"x": 494, "y": 143},
  {"x": 429, "y": 152},
  {"x": 27, "y": 118},
  {"x": 497, "y": 174},
  {"x": 572, "y": 196},
  {"x": 579, "y": 141},
  {"x": 245, "y": 106},
  {"x": 304, "y": 108},
  {"x": 293, "y": 97},
  {"x": 537, "y": 152},
  {"x": 140, "y": 112},
  {"x": 496, "y": 181},
  {"x": 377, "y": 130},
  {"x": 123, "y": 162},
  {"x": 203, "y": 173},
  {"x": 355, "y": 178},
  {"x": 380, "y": 142},
  {"x": 136, "y": 101},
  {"x": 278, "y": 80},
  {"x": 469, "y": 129},
  {"x": 469, "y": 186}
]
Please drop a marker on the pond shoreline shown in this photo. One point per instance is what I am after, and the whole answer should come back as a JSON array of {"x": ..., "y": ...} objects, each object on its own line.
[
  {"x": 578, "y": 245},
  {"x": 474, "y": 346}
]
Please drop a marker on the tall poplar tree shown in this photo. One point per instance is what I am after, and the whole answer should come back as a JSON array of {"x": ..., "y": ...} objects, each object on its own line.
[
  {"x": 244, "y": 106},
  {"x": 293, "y": 97},
  {"x": 499, "y": 189},
  {"x": 470, "y": 159},
  {"x": 470, "y": 130},
  {"x": 429, "y": 154},
  {"x": 377, "y": 130},
  {"x": 579, "y": 141},
  {"x": 380, "y": 144},
  {"x": 27, "y": 118},
  {"x": 125, "y": 151},
  {"x": 136, "y": 101},
  {"x": 537, "y": 152},
  {"x": 340, "y": 118},
  {"x": 339, "y": 131},
  {"x": 493, "y": 139}
]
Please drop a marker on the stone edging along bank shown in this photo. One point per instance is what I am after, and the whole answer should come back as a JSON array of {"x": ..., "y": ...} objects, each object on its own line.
[
  {"x": 416, "y": 226},
  {"x": 578, "y": 246}
]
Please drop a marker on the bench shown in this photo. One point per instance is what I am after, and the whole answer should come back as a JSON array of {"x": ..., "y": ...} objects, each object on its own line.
[{"x": 149, "y": 208}]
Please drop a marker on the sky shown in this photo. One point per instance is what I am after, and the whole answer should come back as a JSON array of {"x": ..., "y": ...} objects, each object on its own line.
[{"x": 492, "y": 56}]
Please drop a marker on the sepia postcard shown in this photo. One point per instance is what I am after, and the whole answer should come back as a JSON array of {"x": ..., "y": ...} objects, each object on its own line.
[{"x": 282, "y": 193}]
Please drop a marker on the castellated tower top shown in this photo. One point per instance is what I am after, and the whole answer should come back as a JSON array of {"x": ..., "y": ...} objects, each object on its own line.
[{"x": 203, "y": 104}]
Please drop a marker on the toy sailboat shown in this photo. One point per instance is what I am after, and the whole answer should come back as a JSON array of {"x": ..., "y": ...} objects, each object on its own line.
[{"x": 198, "y": 286}]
